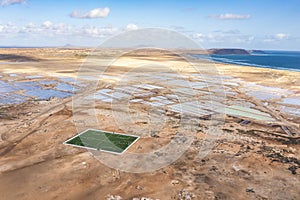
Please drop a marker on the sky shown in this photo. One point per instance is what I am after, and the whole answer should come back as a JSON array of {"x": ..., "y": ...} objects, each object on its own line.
[{"x": 249, "y": 24}]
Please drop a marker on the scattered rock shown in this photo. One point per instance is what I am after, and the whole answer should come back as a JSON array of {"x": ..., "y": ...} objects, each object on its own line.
[
  {"x": 159, "y": 154},
  {"x": 292, "y": 150},
  {"x": 174, "y": 182},
  {"x": 183, "y": 195},
  {"x": 293, "y": 169},
  {"x": 139, "y": 187},
  {"x": 278, "y": 157},
  {"x": 146, "y": 198},
  {"x": 250, "y": 190},
  {"x": 154, "y": 135},
  {"x": 239, "y": 153},
  {"x": 112, "y": 197},
  {"x": 202, "y": 178},
  {"x": 236, "y": 168},
  {"x": 213, "y": 168},
  {"x": 221, "y": 195},
  {"x": 187, "y": 197},
  {"x": 209, "y": 194}
]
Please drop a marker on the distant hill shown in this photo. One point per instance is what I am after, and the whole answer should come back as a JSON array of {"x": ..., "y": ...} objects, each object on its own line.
[
  {"x": 69, "y": 46},
  {"x": 228, "y": 51}
]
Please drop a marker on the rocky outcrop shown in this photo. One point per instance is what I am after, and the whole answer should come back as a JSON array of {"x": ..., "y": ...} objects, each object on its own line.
[{"x": 228, "y": 51}]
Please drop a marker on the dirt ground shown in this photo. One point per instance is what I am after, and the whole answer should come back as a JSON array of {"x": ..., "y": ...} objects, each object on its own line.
[{"x": 248, "y": 161}]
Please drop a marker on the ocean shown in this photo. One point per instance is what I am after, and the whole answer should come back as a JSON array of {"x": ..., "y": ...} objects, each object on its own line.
[{"x": 284, "y": 60}]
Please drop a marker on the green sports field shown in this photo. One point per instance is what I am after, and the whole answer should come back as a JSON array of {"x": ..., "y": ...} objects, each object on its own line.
[{"x": 101, "y": 140}]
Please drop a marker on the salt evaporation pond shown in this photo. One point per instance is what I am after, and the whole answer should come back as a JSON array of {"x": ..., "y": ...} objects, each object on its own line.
[
  {"x": 34, "y": 89},
  {"x": 6, "y": 87},
  {"x": 264, "y": 95},
  {"x": 292, "y": 101},
  {"x": 42, "y": 94},
  {"x": 291, "y": 110},
  {"x": 11, "y": 99},
  {"x": 19, "y": 92}
]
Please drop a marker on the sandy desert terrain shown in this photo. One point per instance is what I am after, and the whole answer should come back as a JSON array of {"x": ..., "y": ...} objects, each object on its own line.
[{"x": 256, "y": 156}]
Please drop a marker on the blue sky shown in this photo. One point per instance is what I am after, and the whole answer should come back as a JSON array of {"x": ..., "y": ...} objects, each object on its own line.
[{"x": 255, "y": 24}]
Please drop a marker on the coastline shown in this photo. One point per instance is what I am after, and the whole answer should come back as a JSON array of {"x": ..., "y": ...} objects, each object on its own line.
[{"x": 231, "y": 60}]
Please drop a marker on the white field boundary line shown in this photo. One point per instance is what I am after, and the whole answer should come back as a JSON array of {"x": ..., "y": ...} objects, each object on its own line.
[{"x": 90, "y": 148}]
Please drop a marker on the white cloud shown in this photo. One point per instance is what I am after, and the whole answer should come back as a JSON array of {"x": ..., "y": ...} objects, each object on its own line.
[
  {"x": 229, "y": 16},
  {"x": 231, "y": 31},
  {"x": 53, "y": 29},
  {"x": 131, "y": 27},
  {"x": 224, "y": 38},
  {"x": 8, "y": 28},
  {"x": 29, "y": 28},
  {"x": 11, "y": 2},
  {"x": 76, "y": 14},
  {"x": 199, "y": 35},
  {"x": 212, "y": 38},
  {"x": 277, "y": 37},
  {"x": 47, "y": 24},
  {"x": 95, "y": 13},
  {"x": 98, "y": 31},
  {"x": 268, "y": 40},
  {"x": 30, "y": 25},
  {"x": 281, "y": 36}
]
